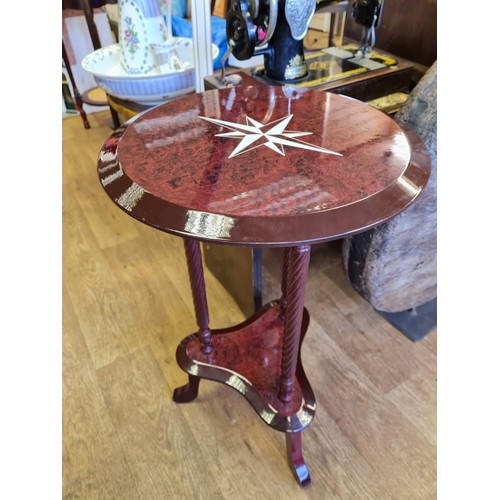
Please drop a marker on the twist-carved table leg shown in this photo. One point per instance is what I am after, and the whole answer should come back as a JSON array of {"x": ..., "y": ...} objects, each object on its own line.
[
  {"x": 187, "y": 392},
  {"x": 295, "y": 267},
  {"x": 284, "y": 281},
  {"x": 195, "y": 269},
  {"x": 295, "y": 458},
  {"x": 295, "y": 292},
  {"x": 288, "y": 400}
]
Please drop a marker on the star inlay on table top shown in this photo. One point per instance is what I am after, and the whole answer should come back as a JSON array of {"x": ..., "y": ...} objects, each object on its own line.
[
  {"x": 271, "y": 134},
  {"x": 233, "y": 166}
]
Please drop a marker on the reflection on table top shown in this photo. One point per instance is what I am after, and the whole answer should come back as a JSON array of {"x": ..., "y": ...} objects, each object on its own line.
[{"x": 263, "y": 166}]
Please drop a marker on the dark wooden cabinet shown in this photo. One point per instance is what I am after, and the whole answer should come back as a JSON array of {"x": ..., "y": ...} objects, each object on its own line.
[{"x": 407, "y": 29}]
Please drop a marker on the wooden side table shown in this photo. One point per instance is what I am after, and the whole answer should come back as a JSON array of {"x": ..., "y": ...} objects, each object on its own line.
[
  {"x": 126, "y": 109},
  {"x": 261, "y": 167}
]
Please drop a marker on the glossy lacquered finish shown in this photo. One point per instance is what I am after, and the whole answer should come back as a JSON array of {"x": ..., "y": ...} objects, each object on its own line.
[
  {"x": 247, "y": 357},
  {"x": 175, "y": 170},
  {"x": 261, "y": 166}
]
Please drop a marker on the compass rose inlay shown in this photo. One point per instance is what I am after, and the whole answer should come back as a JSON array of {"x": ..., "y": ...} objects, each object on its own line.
[{"x": 272, "y": 135}]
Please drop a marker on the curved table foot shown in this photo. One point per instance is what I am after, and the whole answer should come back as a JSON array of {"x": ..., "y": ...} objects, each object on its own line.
[
  {"x": 188, "y": 392},
  {"x": 295, "y": 458}
]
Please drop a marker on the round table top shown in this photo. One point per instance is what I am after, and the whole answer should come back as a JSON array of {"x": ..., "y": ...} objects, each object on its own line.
[{"x": 263, "y": 166}]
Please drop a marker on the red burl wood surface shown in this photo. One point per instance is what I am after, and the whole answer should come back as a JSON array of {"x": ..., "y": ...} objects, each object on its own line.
[
  {"x": 261, "y": 166},
  {"x": 172, "y": 169},
  {"x": 248, "y": 358},
  {"x": 175, "y": 155}
]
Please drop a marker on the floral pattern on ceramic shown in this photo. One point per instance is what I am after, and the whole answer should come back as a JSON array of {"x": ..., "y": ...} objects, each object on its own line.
[
  {"x": 130, "y": 37},
  {"x": 141, "y": 23},
  {"x": 167, "y": 56},
  {"x": 106, "y": 68}
]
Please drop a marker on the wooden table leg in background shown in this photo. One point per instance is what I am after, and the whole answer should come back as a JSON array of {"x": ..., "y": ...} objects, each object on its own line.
[{"x": 76, "y": 93}]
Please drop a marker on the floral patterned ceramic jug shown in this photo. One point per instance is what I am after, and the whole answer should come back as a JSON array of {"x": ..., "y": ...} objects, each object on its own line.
[{"x": 142, "y": 27}]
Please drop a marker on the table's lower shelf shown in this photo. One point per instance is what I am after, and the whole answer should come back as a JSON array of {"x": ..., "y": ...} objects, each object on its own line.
[{"x": 247, "y": 357}]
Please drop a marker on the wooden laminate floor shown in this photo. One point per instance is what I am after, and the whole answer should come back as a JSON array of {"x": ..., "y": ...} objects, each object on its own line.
[{"x": 127, "y": 304}]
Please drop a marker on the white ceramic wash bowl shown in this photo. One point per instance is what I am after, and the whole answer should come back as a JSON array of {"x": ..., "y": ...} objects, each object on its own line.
[{"x": 155, "y": 87}]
